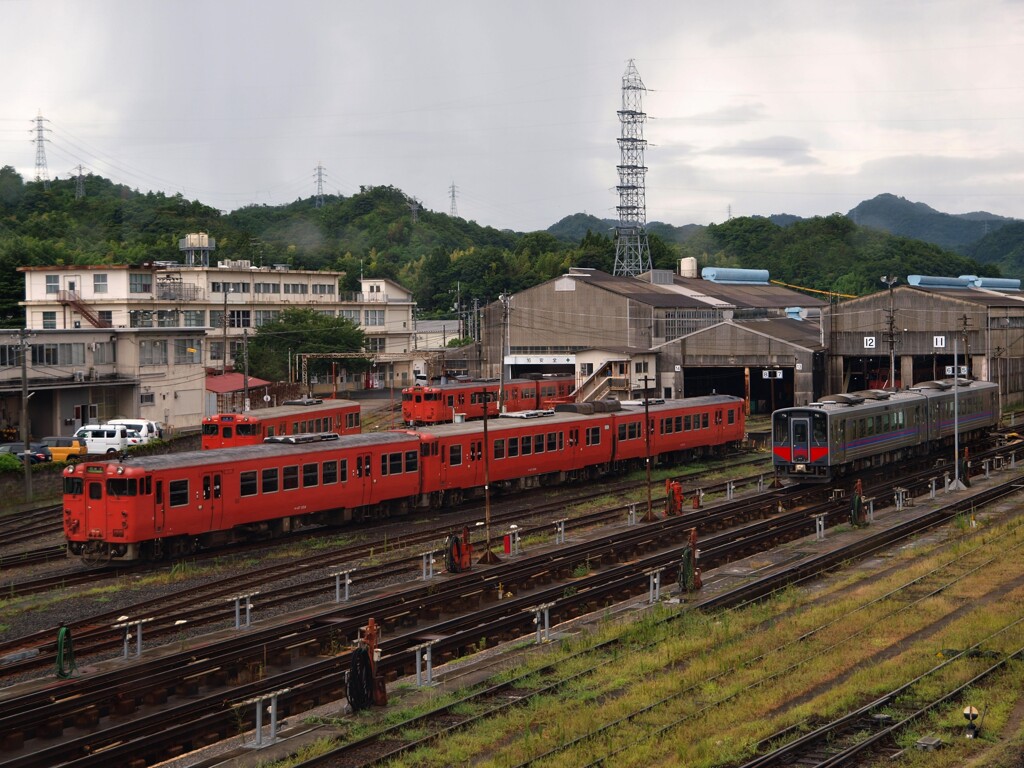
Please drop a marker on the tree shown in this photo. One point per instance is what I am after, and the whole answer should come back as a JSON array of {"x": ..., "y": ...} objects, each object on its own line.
[{"x": 302, "y": 330}]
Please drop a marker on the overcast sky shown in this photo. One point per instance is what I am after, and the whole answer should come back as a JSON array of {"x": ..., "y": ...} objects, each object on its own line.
[{"x": 768, "y": 106}]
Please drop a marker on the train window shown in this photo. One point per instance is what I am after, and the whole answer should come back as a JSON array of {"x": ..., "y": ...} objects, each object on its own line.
[
  {"x": 343, "y": 470},
  {"x": 411, "y": 461},
  {"x": 73, "y": 486},
  {"x": 270, "y": 430},
  {"x": 553, "y": 441},
  {"x": 384, "y": 463},
  {"x": 819, "y": 425},
  {"x": 594, "y": 435},
  {"x": 210, "y": 430},
  {"x": 451, "y": 401},
  {"x": 248, "y": 485},
  {"x": 704, "y": 420},
  {"x": 686, "y": 424},
  {"x": 244, "y": 430},
  {"x": 878, "y": 425},
  {"x": 574, "y": 437},
  {"x": 290, "y": 477},
  {"x": 206, "y": 486},
  {"x": 870, "y": 424},
  {"x": 329, "y": 472},
  {"x": 366, "y": 466},
  {"x": 513, "y": 447},
  {"x": 731, "y": 416},
  {"x": 527, "y": 445},
  {"x": 310, "y": 475},
  {"x": 538, "y": 443},
  {"x": 781, "y": 435},
  {"x": 295, "y": 429},
  {"x": 159, "y": 491},
  {"x": 269, "y": 477},
  {"x": 395, "y": 463},
  {"x": 455, "y": 456},
  {"x": 122, "y": 487},
  {"x": 499, "y": 449},
  {"x": 177, "y": 493},
  {"x": 95, "y": 491},
  {"x": 226, "y": 433}
]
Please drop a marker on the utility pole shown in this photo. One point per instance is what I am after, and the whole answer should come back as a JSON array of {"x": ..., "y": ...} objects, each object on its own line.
[
  {"x": 649, "y": 517},
  {"x": 245, "y": 376},
  {"x": 891, "y": 280},
  {"x": 24, "y": 347},
  {"x": 504, "y": 298}
]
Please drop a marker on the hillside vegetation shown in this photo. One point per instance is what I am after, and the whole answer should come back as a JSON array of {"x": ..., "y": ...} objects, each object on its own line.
[{"x": 440, "y": 258}]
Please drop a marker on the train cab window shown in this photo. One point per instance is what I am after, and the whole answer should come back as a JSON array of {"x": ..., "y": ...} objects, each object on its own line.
[
  {"x": 247, "y": 483},
  {"x": 499, "y": 449},
  {"x": 329, "y": 472},
  {"x": 226, "y": 432},
  {"x": 455, "y": 456},
  {"x": 412, "y": 459},
  {"x": 122, "y": 486},
  {"x": 177, "y": 493},
  {"x": 95, "y": 491},
  {"x": 538, "y": 443},
  {"x": 780, "y": 435},
  {"x": 310, "y": 475},
  {"x": 270, "y": 480},
  {"x": 290, "y": 477},
  {"x": 73, "y": 486},
  {"x": 210, "y": 430},
  {"x": 513, "y": 447}
]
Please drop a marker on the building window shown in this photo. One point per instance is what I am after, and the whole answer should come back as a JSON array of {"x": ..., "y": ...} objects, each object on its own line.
[
  {"x": 373, "y": 317},
  {"x": 187, "y": 351},
  {"x": 106, "y": 316},
  {"x": 167, "y": 318},
  {"x": 349, "y": 314},
  {"x": 216, "y": 350},
  {"x": 99, "y": 283},
  {"x": 264, "y": 316},
  {"x": 323, "y": 289},
  {"x": 374, "y": 343},
  {"x": 640, "y": 367},
  {"x": 58, "y": 354},
  {"x": 216, "y": 318},
  {"x": 49, "y": 320},
  {"x": 53, "y": 283},
  {"x": 586, "y": 369},
  {"x": 267, "y": 288},
  {"x": 221, "y": 287},
  {"x": 296, "y": 288},
  {"x": 103, "y": 352},
  {"x": 239, "y": 318},
  {"x": 140, "y": 318},
  {"x": 147, "y": 398},
  {"x": 153, "y": 352},
  {"x": 194, "y": 318},
  {"x": 140, "y": 282}
]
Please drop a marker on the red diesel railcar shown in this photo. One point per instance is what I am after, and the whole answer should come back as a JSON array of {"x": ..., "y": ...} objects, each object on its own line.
[
  {"x": 293, "y": 417},
  {"x": 154, "y": 506},
  {"x": 444, "y": 403}
]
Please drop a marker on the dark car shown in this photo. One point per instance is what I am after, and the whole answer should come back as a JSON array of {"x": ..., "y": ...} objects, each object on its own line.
[{"x": 37, "y": 451}]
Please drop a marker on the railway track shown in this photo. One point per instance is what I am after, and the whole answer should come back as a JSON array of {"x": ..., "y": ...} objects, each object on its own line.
[{"x": 620, "y": 567}]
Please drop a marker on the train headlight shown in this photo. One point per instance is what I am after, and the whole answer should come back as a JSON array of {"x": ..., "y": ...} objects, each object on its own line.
[{"x": 801, "y": 467}]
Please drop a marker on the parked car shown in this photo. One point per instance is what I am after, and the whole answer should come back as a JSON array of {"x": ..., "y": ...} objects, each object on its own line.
[
  {"x": 65, "y": 448},
  {"x": 37, "y": 452},
  {"x": 147, "y": 430},
  {"x": 107, "y": 438}
]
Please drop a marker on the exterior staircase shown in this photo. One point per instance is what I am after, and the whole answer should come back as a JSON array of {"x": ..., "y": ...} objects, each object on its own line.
[{"x": 73, "y": 300}]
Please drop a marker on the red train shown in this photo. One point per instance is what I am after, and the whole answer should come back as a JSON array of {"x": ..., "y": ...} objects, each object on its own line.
[
  {"x": 293, "y": 417},
  {"x": 439, "y": 404},
  {"x": 154, "y": 506}
]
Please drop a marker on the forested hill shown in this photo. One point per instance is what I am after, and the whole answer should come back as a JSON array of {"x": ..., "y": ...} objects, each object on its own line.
[{"x": 440, "y": 258}]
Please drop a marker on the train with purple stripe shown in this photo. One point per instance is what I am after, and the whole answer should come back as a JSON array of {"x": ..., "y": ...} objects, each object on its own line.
[{"x": 845, "y": 433}]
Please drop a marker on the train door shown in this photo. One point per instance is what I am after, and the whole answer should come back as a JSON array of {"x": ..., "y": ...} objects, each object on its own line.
[
  {"x": 800, "y": 438},
  {"x": 211, "y": 499},
  {"x": 95, "y": 507},
  {"x": 159, "y": 508},
  {"x": 363, "y": 471}
]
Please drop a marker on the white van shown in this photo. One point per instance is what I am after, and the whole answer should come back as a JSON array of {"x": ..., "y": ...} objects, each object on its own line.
[
  {"x": 107, "y": 438},
  {"x": 147, "y": 430}
]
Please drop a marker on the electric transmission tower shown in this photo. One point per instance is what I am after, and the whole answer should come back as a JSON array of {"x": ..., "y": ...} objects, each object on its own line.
[
  {"x": 79, "y": 182},
  {"x": 319, "y": 185},
  {"x": 632, "y": 252},
  {"x": 414, "y": 209},
  {"x": 453, "y": 211},
  {"x": 40, "y": 140}
]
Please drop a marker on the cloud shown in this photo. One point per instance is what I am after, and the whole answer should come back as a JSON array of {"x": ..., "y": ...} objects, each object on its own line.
[{"x": 787, "y": 150}]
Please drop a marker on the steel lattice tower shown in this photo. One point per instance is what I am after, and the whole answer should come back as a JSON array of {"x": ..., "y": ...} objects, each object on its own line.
[
  {"x": 454, "y": 209},
  {"x": 42, "y": 174},
  {"x": 632, "y": 252},
  {"x": 319, "y": 185}
]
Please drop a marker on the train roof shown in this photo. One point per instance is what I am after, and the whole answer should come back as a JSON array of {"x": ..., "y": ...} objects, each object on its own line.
[
  {"x": 248, "y": 452},
  {"x": 874, "y": 398},
  {"x": 568, "y": 418},
  {"x": 292, "y": 407}
]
